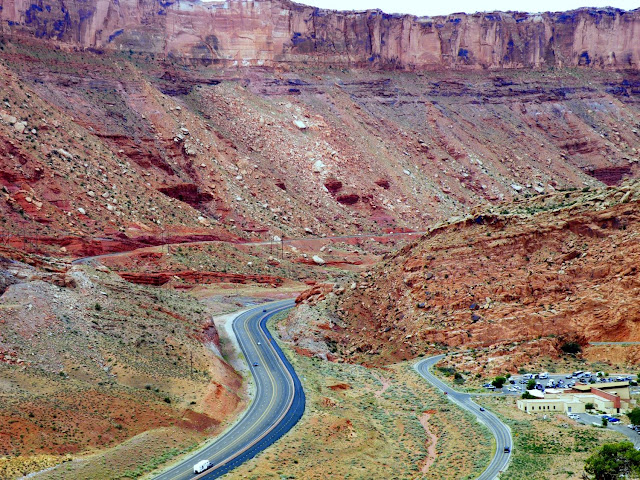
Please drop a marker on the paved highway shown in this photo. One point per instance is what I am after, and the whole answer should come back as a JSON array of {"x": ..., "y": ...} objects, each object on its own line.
[
  {"x": 277, "y": 406},
  {"x": 499, "y": 430}
]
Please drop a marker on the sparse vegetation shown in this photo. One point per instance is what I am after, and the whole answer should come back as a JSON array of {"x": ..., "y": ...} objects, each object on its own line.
[{"x": 554, "y": 447}]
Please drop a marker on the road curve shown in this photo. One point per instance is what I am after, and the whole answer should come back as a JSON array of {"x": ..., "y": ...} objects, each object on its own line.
[
  {"x": 499, "y": 430},
  {"x": 277, "y": 406}
]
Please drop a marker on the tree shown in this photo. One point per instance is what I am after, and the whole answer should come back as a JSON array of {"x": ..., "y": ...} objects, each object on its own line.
[
  {"x": 527, "y": 395},
  {"x": 614, "y": 461},
  {"x": 571, "y": 348},
  {"x": 605, "y": 422},
  {"x": 498, "y": 382},
  {"x": 588, "y": 406},
  {"x": 531, "y": 384},
  {"x": 634, "y": 416}
]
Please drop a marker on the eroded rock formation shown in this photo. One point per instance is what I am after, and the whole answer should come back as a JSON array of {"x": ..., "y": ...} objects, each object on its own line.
[{"x": 268, "y": 32}]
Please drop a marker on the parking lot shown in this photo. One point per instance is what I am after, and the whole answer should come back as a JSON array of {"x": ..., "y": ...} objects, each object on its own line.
[
  {"x": 588, "y": 419},
  {"x": 516, "y": 385}
]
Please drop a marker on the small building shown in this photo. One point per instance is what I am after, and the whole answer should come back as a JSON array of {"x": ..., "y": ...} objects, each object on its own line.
[{"x": 606, "y": 397}]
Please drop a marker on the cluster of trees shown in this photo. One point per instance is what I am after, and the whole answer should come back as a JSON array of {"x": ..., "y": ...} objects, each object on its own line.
[{"x": 615, "y": 460}]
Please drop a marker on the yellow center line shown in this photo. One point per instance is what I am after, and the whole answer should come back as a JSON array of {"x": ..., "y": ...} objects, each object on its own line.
[{"x": 266, "y": 411}]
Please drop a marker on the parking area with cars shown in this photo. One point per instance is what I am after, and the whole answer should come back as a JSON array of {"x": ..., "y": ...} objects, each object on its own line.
[
  {"x": 516, "y": 385},
  {"x": 613, "y": 423}
]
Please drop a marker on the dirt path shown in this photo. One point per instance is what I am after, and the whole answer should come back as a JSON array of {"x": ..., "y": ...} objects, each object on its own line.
[
  {"x": 431, "y": 449},
  {"x": 386, "y": 383}
]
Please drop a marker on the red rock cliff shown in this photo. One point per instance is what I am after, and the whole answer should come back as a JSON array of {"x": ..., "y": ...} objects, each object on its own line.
[{"x": 268, "y": 32}]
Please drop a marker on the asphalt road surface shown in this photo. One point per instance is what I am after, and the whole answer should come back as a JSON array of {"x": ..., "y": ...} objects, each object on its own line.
[
  {"x": 277, "y": 406},
  {"x": 499, "y": 430}
]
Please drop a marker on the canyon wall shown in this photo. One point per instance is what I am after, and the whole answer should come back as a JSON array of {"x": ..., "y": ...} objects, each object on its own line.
[{"x": 272, "y": 32}]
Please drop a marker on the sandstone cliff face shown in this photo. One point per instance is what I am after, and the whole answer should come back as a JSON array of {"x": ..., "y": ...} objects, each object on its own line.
[{"x": 269, "y": 32}]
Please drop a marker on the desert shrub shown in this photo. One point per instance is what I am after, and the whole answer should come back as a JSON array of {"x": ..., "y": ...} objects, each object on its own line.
[
  {"x": 571, "y": 348},
  {"x": 498, "y": 382}
]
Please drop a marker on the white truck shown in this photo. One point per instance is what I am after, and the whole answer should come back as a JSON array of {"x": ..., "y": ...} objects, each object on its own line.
[{"x": 201, "y": 466}]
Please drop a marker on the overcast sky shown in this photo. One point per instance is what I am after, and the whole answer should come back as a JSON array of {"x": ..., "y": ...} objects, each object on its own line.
[{"x": 433, "y": 7}]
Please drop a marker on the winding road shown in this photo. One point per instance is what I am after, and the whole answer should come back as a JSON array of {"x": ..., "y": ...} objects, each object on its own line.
[
  {"x": 499, "y": 430},
  {"x": 278, "y": 404}
]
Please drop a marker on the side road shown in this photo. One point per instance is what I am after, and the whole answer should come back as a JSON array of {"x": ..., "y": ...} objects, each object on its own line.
[{"x": 500, "y": 431}]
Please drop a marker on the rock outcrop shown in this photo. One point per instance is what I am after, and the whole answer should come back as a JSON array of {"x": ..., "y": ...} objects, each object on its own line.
[
  {"x": 270, "y": 32},
  {"x": 197, "y": 278},
  {"x": 521, "y": 285}
]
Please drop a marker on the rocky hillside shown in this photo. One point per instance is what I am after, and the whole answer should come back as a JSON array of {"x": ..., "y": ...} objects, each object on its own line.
[
  {"x": 132, "y": 123},
  {"x": 522, "y": 280},
  {"x": 273, "y": 32},
  {"x": 108, "y": 151},
  {"x": 88, "y": 361}
]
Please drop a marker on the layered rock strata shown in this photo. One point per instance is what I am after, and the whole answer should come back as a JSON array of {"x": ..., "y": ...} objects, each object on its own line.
[{"x": 270, "y": 32}]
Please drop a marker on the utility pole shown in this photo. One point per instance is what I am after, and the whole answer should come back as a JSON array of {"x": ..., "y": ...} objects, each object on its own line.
[{"x": 191, "y": 364}]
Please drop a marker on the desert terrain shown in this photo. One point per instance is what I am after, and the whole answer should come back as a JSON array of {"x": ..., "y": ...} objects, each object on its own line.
[{"x": 465, "y": 183}]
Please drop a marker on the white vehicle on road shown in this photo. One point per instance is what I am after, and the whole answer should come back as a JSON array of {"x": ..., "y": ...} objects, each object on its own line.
[{"x": 201, "y": 466}]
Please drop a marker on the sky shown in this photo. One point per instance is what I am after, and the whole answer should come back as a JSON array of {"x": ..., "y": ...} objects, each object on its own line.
[{"x": 433, "y": 7}]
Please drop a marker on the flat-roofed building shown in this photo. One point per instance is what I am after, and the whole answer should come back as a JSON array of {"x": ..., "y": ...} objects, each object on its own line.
[{"x": 606, "y": 397}]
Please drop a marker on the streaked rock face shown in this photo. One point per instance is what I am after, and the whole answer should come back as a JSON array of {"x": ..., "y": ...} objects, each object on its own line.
[{"x": 269, "y": 32}]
